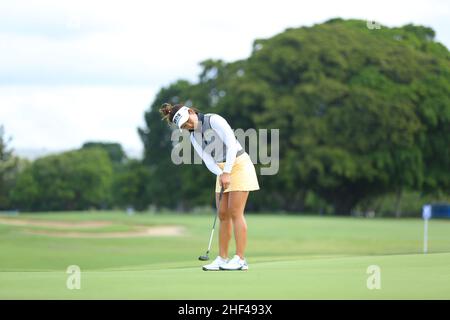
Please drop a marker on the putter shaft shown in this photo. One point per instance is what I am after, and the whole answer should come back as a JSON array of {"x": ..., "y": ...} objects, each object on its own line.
[{"x": 214, "y": 224}]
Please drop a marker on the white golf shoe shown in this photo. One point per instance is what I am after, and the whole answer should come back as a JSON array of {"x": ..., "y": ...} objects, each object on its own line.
[
  {"x": 235, "y": 264},
  {"x": 215, "y": 265}
]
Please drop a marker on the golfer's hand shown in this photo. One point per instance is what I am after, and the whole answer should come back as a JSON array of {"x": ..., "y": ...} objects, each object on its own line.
[{"x": 225, "y": 180}]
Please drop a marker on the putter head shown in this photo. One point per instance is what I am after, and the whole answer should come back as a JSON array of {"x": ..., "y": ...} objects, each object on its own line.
[{"x": 203, "y": 258}]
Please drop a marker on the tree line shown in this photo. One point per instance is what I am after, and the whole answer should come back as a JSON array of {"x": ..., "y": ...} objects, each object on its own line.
[
  {"x": 362, "y": 113},
  {"x": 96, "y": 176},
  {"x": 363, "y": 116}
]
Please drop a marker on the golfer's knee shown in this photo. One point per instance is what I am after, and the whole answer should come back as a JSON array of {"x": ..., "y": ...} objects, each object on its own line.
[
  {"x": 235, "y": 213},
  {"x": 224, "y": 216}
]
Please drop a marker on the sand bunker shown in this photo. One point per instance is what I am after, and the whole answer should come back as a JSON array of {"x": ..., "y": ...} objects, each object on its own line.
[
  {"x": 55, "y": 224},
  {"x": 138, "y": 231}
]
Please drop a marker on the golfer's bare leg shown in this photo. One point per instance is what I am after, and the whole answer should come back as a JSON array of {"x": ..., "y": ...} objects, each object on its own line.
[
  {"x": 225, "y": 227},
  {"x": 236, "y": 206}
]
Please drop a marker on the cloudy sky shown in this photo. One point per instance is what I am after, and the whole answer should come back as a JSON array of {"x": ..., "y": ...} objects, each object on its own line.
[{"x": 76, "y": 71}]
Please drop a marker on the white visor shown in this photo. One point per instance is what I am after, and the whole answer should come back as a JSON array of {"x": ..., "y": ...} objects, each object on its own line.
[{"x": 181, "y": 116}]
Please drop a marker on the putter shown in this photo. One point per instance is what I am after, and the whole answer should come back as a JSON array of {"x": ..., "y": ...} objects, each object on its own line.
[{"x": 206, "y": 256}]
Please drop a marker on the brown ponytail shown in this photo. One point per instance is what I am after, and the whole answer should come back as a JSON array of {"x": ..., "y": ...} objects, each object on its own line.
[{"x": 168, "y": 111}]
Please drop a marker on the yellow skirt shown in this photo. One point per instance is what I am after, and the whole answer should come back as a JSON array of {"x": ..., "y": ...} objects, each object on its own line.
[{"x": 243, "y": 175}]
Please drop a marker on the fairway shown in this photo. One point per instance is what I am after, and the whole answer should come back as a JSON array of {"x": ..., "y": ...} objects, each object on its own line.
[{"x": 290, "y": 257}]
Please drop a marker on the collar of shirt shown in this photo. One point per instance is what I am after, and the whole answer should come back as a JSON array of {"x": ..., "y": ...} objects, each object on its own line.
[{"x": 201, "y": 118}]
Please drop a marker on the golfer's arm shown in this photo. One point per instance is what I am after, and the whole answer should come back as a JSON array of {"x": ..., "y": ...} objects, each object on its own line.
[
  {"x": 223, "y": 129},
  {"x": 207, "y": 159}
]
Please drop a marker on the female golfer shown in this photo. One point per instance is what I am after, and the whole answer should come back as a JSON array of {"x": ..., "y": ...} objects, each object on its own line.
[{"x": 234, "y": 170}]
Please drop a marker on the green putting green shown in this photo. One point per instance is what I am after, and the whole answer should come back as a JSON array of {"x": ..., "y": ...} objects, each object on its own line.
[{"x": 290, "y": 257}]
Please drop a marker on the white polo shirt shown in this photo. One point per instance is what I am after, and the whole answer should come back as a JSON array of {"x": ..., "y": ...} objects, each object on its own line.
[{"x": 224, "y": 131}]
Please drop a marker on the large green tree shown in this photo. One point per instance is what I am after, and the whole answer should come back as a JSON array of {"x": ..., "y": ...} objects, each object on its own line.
[{"x": 361, "y": 112}]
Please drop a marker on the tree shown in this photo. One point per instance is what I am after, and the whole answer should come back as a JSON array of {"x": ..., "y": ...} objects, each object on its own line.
[
  {"x": 361, "y": 112},
  {"x": 173, "y": 186},
  {"x": 9, "y": 167},
  {"x": 130, "y": 185},
  {"x": 25, "y": 193},
  {"x": 114, "y": 150},
  {"x": 73, "y": 180}
]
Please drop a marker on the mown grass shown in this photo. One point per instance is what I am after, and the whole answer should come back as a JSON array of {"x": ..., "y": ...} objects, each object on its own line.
[{"x": 290, "y": 257}]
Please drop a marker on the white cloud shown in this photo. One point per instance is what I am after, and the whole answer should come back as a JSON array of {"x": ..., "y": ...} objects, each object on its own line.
[
  {"x": 64, "y": 64},
  {"x": 60, "y": 118},
  {"x": 138, "y": 42}
]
